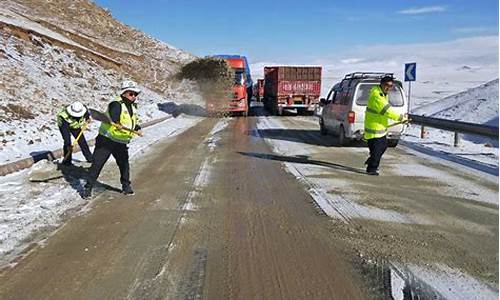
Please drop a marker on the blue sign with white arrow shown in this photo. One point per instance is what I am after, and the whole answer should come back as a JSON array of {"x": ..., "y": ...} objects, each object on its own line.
[{"x": 411, "y": 72}]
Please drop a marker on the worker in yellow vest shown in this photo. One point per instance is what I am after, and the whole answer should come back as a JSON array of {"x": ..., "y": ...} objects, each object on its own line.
[
  {"x": 113, "y": 139},
  {"x": 377, "y": 115},
  {"x": 70, "y": 121}
]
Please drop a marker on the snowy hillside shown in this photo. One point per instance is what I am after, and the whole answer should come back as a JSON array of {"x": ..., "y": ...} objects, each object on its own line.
[
  {"x": 45, "y": 68},
  {"x": 475, "y": 105}
]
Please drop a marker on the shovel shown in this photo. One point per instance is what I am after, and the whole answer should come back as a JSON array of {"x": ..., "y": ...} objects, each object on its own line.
[
  {"x": 44, "y": 171},
  {"x": 399, "y": 123},
  {"x": 103, "y": 117}
]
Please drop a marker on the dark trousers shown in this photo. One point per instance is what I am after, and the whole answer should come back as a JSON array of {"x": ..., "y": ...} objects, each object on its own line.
[
  {"x": 377, "y": 148},
  {"x": 66, "y": 133},
  {"x": 105, "y": 147}
]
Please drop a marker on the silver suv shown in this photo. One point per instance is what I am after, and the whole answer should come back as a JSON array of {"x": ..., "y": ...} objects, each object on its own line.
[{"x": 343, "y": 110}]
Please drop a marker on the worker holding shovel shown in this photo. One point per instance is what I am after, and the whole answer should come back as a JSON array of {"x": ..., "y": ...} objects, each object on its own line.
[
  {"x": 114, "y": 137},
  {"x": 377, "y": 115},
  {"x": 72, "y": 120}
]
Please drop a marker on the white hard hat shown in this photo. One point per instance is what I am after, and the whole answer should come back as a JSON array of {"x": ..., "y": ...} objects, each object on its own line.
[
  {"x": 129, "y": 85},
  {"x": 76, "y": 109}
]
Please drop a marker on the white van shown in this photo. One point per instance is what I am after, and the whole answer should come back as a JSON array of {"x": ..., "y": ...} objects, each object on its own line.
[{"x": 343, "y": 110}]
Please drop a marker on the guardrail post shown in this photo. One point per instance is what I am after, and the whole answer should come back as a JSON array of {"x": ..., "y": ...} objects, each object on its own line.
[
  {"x": 456, "y": 142},
  {"x": 422, "y": 132}
]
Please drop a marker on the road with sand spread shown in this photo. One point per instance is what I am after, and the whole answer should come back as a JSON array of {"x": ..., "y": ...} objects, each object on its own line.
[{"x": 267, "y": 208}]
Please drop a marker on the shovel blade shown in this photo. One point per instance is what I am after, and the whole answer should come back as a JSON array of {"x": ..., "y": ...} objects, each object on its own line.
[
  {"x": 44, "y": 170},
  {"x": 99, "y": 116}
]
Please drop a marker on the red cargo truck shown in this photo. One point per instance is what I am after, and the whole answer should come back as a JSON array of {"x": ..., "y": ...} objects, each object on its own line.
[
  {"x": 292, "y": 87},
  {"x": 238, "y": 100},
  {"x": 258, "y": 90}
]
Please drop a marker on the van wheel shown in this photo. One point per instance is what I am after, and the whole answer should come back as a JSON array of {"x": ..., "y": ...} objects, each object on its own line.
[
  {"x": 392, "y": 143},
  {"x": 343, "y": 140},
  {"x": 322, "y": 128}
]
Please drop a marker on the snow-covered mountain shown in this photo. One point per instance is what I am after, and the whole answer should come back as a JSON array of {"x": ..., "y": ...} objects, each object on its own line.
[{"x": 53, "y": 53}]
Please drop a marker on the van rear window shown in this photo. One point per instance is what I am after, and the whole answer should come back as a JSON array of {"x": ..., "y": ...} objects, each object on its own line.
[{"x": 363, "y": 91}]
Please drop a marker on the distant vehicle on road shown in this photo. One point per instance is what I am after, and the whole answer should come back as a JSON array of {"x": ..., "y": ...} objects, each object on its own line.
[
  {"x": 242, "y": 89},
  {"x": 343, "y": 110},
  {"x": 292, "y": 87},
  {"x": 258, "y": 90}
]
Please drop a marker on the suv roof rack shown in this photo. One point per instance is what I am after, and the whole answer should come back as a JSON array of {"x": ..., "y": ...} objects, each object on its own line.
[{"x": 360, "y": 75}]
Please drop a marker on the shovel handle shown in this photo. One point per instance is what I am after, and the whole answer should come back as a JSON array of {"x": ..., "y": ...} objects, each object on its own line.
[
  {"x": 76, "y": 140},
  {"x": 127, "y": 129},
  {"x": 399, "y": 123}
]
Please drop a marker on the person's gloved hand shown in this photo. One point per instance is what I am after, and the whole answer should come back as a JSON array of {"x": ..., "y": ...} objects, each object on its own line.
[{"x": 406, "y": 119}]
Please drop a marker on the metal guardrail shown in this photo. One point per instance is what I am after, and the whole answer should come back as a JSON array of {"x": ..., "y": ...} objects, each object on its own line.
[{"x": 456, "y": 126}]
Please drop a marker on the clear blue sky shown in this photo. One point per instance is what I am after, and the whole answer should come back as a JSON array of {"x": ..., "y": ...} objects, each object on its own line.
[{"x": 267, "y": 30}]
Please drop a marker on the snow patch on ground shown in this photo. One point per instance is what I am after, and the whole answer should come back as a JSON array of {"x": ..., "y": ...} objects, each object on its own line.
[
  {"x": 452, "y": 185},
  {"x": 213, "y": 137},
  {"x": 453, "y": 284}
]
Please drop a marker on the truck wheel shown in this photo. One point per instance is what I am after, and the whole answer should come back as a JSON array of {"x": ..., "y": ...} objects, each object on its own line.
[
  {"x": 392, "y": 143},
  {"x": 322, "y": 128}
]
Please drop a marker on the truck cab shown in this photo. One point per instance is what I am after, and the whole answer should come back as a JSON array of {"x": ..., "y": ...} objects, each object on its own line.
[{"x": 239, "y": 101}]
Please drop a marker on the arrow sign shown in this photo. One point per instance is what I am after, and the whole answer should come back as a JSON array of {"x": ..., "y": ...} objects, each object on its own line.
[{"x": 411, "y": 72}]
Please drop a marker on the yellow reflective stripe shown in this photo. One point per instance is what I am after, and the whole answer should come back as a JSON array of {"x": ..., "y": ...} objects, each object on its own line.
[
  {"x": 385, "y": 109},
  {"x": 368, "y": 130},
  {"x": 371, "y": 110}
]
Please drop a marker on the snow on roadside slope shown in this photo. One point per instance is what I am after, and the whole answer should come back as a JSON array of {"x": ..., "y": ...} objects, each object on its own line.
[
  {"x": 39, "y": 78},
  {"x": 475, "y": 105},
  {"x": 28, "y": 210},
  {"x": 44, "y": 73}
]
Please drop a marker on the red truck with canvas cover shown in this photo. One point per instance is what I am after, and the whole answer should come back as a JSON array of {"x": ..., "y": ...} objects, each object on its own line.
[{"x": 292, "y": 87}]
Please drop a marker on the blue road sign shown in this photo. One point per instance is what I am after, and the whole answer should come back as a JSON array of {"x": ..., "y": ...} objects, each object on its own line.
[{"x": 411, "y": 72}]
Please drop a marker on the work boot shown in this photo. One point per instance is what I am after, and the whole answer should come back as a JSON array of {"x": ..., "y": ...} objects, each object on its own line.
[
  {"x": 127, "y": 190},
  {"x": 66, "y": 163},
  {"x": 87, "y": 191}
]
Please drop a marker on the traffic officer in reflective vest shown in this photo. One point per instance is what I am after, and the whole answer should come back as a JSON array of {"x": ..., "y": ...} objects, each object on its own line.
[
  {"x": 70, "y": 121},
  {"x": 113, "y": 138},
  {"x": 377, "y": 115}
]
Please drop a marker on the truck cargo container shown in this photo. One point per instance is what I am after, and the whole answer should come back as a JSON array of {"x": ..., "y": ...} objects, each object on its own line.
[{"x": 291, "y": 87}]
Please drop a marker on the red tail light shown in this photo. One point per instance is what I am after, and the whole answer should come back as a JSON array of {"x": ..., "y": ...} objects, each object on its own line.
[{"x": 351, "y": 117}]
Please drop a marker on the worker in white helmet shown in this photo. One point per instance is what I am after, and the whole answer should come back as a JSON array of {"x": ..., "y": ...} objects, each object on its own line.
[
  {"x": 113, "y": 138},
  {"x": 70, "y": 121}
]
